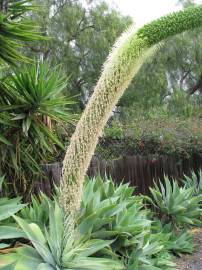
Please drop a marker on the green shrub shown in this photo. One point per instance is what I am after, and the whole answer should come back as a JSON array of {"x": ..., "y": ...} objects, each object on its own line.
[{"x": 152, "y": 134}]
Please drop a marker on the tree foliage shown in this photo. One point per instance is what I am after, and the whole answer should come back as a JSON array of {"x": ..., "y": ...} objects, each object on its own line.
[
  {"x": 175, "y": 68},
  {"x": 81, "y": 40}
]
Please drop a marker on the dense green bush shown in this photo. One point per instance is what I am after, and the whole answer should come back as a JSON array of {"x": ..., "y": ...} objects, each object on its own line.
[{"x": 153, "y": 135}]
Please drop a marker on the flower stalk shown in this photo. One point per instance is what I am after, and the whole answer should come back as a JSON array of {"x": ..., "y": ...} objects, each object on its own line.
[{"x": 127, "y": 56}]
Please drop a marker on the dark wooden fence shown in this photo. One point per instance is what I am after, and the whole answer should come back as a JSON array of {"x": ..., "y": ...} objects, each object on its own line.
[{"x": 138, "y": 170}]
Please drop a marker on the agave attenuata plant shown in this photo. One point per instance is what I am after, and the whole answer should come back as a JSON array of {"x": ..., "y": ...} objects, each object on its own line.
[
  {"x": 177, "y": 204},
  {"x": 58, "y": 248},
  {"x": 8, "y": 229},
  {"x": 194, "y": 181}
]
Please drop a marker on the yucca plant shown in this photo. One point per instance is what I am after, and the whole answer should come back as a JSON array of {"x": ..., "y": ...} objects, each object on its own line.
[
  {"x": 32, "y": 105},
  {"x": 58, "y": 248},
  {"x": 176, "y": 204},
  {"x": 15, "y": 28}
]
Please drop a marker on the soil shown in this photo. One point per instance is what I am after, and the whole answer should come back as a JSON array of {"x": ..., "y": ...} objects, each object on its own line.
[{"x": 194, "y": 261}]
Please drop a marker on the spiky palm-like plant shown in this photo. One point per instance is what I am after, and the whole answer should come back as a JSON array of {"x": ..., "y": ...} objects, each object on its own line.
[
  {"x": 15, "y": 28},
  {"x": 32, "y": 105},
  {"x": 123, "y": 63}
]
